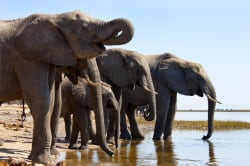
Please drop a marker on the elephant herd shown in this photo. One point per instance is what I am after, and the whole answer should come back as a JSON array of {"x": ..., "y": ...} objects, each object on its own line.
[{"x": 59, "y": 65}]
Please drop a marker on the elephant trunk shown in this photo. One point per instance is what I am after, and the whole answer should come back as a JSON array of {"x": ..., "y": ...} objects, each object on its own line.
[
  {"x": 211, "y": 94},
  {"x": 116, "y": 32},
  {"x": 117, "y": 127},
  {"x": 99, "y": 116},
  {"x": 150, "y": 113}
]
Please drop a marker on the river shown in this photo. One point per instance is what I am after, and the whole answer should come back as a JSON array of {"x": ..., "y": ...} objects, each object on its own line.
[{"x": 225, "y": 148}]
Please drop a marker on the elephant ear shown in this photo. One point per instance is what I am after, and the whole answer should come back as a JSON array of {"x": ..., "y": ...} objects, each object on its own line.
[
  {"x": 172, "y": 75},
  {"x": 42, "y": 40}
]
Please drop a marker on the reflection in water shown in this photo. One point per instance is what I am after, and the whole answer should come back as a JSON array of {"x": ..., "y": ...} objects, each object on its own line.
[
  {"x": 135, "y": 152},
  {"x": 183, "y": 149},
  {"x": 165, "y": 152},
  {"x": 212, "y": 158}
]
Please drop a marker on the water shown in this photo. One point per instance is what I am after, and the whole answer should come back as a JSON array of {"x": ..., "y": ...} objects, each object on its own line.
[
  {"x": 232, "y": 116},
  {"x": 185, "y": 148},
  {"x": 225, "y": 148}
]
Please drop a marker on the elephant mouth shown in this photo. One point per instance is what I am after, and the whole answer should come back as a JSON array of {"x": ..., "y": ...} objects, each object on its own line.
[
  {"x": 132, "y": 86},
  {"x": 100, "y": 46},
  {"x": 200, "y": 93}
]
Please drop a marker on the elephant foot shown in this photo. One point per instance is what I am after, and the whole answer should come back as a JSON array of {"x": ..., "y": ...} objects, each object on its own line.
[
  {"x": 54, "y": 151},
  {"x": 83, "y": 147},
  {"x": 156, "y": 138},
  {"x": 125, "y": 135},
  {"x": 43, "y": 157},
  {"x": 168, "y": 137},
  {"x": 137, "y": 135},
  {"x": 73, "y": 146},
  {"x": 111, "y": 140},
  {"x": 67, "y": 139},
  {"x": 95, "y": 141}
]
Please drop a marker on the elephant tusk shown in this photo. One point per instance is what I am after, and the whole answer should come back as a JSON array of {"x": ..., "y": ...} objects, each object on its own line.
[
  {"x": 92, "y": 83},
  {"x": 106, "y": 85},
  {"x": 149, "y": 90},
  {"x": 97, "y": 84},
  {"x": 214, "y": 100}
]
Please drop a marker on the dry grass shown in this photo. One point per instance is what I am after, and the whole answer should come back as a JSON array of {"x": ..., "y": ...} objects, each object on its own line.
[
  {"x": 201, "y": 125},
  {"x": 218, "y": 125}
]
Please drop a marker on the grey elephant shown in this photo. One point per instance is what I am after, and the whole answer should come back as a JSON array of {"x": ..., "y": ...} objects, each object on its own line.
[
  {"x": 79, "y": 100},
  {"x": 34, "y": 47},
  {"x": 127, "y": 69},
  {"x": 171, "y": 75}
]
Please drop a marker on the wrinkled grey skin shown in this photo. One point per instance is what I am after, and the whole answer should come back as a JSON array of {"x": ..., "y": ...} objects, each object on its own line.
[
  {"x": 31, "y": 49},
  {"x": 171, "y": 75},
  {"x": 79, "y": 100},
  {"x": 126, "y": 69}
]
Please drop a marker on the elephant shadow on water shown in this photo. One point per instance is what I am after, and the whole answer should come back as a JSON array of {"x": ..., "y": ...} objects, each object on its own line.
[{"x": 33, "y": 48}]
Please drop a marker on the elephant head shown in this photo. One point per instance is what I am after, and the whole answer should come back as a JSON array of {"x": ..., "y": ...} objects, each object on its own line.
[
  {"x": 188, "y": 78},
  {"x": 69, "y": 37},
  {"x": 125, "y": 69}
]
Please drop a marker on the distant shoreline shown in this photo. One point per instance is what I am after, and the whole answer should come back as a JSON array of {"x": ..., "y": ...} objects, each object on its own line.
[{"x": 226, "y": 110}]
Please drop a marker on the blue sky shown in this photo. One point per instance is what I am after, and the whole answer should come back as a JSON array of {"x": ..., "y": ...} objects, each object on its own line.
[{"x": 214, "y": 33}]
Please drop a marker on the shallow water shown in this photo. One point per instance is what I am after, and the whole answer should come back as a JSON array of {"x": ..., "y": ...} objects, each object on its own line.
[{"x": 185, "y": 148}]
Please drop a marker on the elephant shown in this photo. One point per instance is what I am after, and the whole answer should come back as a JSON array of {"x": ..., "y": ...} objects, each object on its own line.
[
  {"x": 171, "y": 75},
  {"x": 79, "y": 100},
  {"x": 33, "y": 48},
  {"x": 123, "y": 68}
]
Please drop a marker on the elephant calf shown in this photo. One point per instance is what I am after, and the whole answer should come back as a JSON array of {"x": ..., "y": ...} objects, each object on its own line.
[{"x": 79, "y": 100}]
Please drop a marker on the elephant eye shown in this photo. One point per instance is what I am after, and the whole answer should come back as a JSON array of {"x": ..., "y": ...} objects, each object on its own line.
[
  {"x": 85, "y": 26},
  {"x": 142, "y": 71}
]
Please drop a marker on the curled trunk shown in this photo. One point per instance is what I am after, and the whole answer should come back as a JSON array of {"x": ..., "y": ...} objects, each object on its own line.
[
  {"x": 116, "y": 32},
  {"x": 150, "y": 113}
]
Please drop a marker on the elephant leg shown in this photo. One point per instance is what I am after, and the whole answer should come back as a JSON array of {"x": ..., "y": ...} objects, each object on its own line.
[
  {"x": 68, "y": 126},
  {"x": 170, "y": 117},
  {"x": 134, "y": 128},
  {"x": 111, "y": 129},
  {"x": 56, "y": 112},
  {"x": 106, "y": 119},
  {"x": 92, "y": 131},
  {"x": 123, "y": 123},
  {"x": 163, "y": 101},
  {"x": 84, "y": 127},
  {"x": 39, "y": 94},
  {"x": 74, "y": 134}
]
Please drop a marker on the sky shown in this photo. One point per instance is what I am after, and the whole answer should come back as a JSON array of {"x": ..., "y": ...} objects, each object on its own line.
[{"x": 213, "y": 33}]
